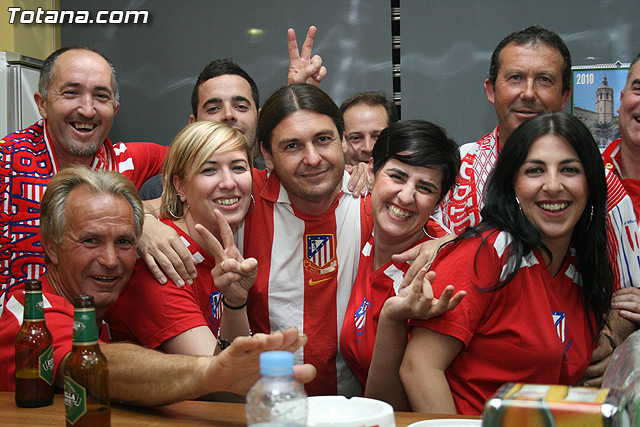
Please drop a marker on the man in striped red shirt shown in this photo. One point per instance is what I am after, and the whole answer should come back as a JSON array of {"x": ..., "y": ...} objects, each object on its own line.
[
  {"x": 306, "y": 232},
  {"x": 78, "y": 99}
]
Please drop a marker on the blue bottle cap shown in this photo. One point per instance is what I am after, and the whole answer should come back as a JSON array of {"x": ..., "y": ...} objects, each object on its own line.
[{"x": 276, "y": 363}]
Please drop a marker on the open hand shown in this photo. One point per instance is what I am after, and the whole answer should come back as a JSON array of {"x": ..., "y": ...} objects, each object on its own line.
[{"x": 416, "y": 301}]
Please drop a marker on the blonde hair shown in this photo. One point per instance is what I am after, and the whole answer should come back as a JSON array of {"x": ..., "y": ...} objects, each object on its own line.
[{"x": 190, "y": 149}]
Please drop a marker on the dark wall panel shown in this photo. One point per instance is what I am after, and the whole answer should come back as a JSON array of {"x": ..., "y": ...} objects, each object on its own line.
[
  {"x": 447, "y": 46},
  {"x": 445, "y": 51},
  {"x": 159, "y": 62}
]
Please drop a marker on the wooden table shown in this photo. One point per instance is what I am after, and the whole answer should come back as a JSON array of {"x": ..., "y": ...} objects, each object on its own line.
[{"x": 187, "y": 413}]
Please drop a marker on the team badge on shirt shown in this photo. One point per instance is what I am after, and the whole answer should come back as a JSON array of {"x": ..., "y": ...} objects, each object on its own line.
[
  {"x": 632, "y": 237},
  {"x": 320, "y": 256},
  {"x": 361, "y": 319},
  {"x": 216, "y": 311},
  {"x": 559, "y": 320}
]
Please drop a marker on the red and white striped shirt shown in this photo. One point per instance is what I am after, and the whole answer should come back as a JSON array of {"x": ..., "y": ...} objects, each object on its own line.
[{"x": 307, "y": 265}]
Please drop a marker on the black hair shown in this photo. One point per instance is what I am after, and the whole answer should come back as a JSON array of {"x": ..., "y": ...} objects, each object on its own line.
[
  {"x": 292, "y": 98},
  {"x": 419, "y": 143},
  {"x": 533, "y": 35},
  {"x": 222, "y": 67},
  {"x": 501, "y": 211}
]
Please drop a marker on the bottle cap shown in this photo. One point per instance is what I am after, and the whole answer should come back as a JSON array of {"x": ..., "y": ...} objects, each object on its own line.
[{"x": 276, "y": 363}]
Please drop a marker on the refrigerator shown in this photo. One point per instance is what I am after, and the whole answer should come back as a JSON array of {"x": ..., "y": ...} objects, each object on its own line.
[{"x": 18, "y": 82}]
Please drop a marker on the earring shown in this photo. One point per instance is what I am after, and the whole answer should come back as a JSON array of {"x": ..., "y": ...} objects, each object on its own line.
[
  {"x": 519, "y": 206},
  {"x": 365, "y": 208},
  {"x": 171, "y": 212},
  {"x": 424, "y": 230},
  {"x": 590, "y": 218},
  {"x": 253, "y": 207}
]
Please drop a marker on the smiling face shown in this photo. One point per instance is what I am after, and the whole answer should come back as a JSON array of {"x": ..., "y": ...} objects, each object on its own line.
[
  {"x": 98, "y": 252},
  {"x": 228, "y": 99},
  {"x": 630, "y": 110},
  {"x": 528, "y": 83},
  {"x": 362, "y": 126},
  {"x": 306, "y": 154},
  {"x": 552, "y": 188},
  {"x": 224, "y": 183},
  {"x": 80, "y": 105},
  {"x": 402, "y": 199}
]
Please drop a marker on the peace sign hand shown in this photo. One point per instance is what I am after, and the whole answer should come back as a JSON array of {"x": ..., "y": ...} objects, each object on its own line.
[
  {"x": 233, "y": 275},
  {"x": 303, "y": 68}
]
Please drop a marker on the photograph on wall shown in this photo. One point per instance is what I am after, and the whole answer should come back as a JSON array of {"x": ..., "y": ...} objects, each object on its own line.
[{"x": 596, "y": 98}]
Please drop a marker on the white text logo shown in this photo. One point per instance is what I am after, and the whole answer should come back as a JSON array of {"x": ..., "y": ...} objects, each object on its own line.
[{"x": 41, "y": 16}]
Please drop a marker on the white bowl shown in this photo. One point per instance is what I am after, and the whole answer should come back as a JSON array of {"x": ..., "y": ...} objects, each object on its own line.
[
  {"x": 454, "y": 422},
  {"x": 338, "y": 411}
]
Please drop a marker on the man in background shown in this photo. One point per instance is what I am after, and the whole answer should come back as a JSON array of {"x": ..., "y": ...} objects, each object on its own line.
[
  {"x": 225, "y": 93},
  {"x": 622, "y": 156},
  {"x": 365, "y": 114}
]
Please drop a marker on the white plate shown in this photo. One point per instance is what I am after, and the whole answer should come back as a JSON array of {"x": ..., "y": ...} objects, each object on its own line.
[
  {"x": 447, "y": 422},
  {"x": 338, "y": 411}
]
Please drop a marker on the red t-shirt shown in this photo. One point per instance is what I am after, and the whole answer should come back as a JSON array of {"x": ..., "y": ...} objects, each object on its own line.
[
  {"x": 149, "y": 313},
  {"x": 533, "y": 330},
  {"x": 58, "y": 315},
  {"x": 611, "y": 158},
  {"x": 370, "y": 291}
]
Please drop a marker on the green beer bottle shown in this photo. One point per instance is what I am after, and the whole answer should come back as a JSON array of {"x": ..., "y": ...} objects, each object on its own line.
[
  {"x": 34, "y": 353},
  {"x": 86, "y": 375}
]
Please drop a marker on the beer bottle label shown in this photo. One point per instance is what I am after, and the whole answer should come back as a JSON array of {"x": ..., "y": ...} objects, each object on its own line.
[
  {"x": 33, "y": 307},
  {"x": 75, "y": 400},
  {"x": 46, "y": 365},
  {"x": 85, "y": 329}
]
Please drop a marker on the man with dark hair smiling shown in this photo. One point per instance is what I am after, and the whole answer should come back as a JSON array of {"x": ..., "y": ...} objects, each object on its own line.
[
  {"x": 365, "y": 114},
  {"x": 307, "y": 231}
]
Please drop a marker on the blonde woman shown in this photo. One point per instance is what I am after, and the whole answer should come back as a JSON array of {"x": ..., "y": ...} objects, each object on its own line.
[{"x": 207, "y": 185}]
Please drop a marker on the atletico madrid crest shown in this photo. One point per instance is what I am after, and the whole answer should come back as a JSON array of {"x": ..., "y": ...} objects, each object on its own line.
[
  {"x": 216, "y": 311},
  {"x": 360, "y": 319},
  {"x": 321, "y": 254},
  {"x": 559, "y": 319}
]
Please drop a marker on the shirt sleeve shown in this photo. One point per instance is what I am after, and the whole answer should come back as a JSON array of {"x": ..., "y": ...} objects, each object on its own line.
[
  {"x": 467, "y": 266},
  {"x": 150, "y": 313},
  {"x": 139, "y": 161}
]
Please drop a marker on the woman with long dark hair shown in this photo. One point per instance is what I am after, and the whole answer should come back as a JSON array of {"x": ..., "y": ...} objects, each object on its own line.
[{"x": 535, "y": 270}]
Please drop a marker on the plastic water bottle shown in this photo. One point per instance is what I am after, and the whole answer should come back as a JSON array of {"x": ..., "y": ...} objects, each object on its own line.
[{"x": 276, "y": 399}]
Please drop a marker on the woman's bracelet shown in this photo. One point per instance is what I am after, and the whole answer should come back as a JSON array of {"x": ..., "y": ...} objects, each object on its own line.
[
  {"x": 611, "y": 341},
  {"x": 231, "y": 307}
]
